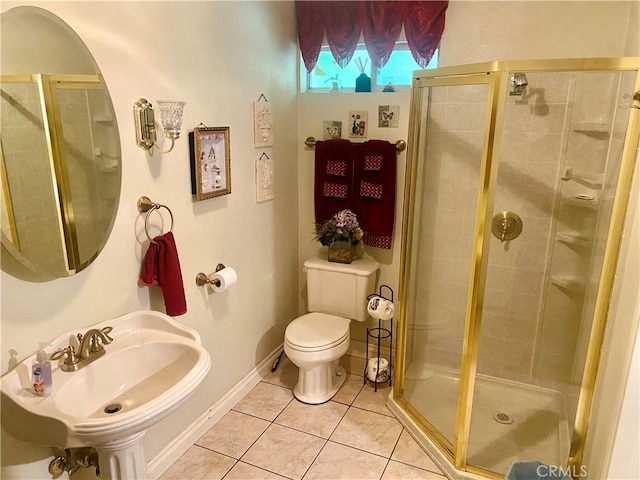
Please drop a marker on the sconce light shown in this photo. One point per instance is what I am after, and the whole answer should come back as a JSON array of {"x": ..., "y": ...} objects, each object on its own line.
[{"x": 170, "y": 116}]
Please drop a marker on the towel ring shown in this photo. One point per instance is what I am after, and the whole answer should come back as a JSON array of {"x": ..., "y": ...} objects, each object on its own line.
[{"x": 146, "y": 205}]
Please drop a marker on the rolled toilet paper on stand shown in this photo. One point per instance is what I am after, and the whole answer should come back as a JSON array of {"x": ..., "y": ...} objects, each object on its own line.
[
  {"x": 223, "y": 279},
  {"x": 380, "y": 308}
]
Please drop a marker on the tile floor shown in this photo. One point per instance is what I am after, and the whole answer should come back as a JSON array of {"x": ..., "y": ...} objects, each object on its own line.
[{"x": 270, "y": 435}]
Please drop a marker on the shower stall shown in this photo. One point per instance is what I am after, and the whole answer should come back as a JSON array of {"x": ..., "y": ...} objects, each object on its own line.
[
  {"x": 515, "y": 196},
  {"x": 58, "y": 168}
]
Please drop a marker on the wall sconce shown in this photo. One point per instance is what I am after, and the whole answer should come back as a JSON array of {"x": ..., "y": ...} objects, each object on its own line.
[{"x": 171, "y": 119}]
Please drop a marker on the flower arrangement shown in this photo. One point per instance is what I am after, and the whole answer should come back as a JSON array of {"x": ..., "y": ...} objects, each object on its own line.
[{"x": 341, "y": 226}]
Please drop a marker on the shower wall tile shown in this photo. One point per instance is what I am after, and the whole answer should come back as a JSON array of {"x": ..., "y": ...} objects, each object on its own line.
[
  {"x": 554, "y": 86},
  {"x": 494, "y": 324},
  {"x": 516, "y": 119},
  {"x": 537, "y": 231},
  {"x": 527, "y": 281},
  {"x": 516, "y": 146},
  {"x": 545, "y": 147},
  {"x": 520, "y": 328},
  {"x": 552, "y": 121},
  {"x": 535, "y": 204}
]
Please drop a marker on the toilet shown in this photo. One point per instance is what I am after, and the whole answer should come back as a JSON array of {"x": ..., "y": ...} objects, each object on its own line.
[{"x": 314, "y": 342}]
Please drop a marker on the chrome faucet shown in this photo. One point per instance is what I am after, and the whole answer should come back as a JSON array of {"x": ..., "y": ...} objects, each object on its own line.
[{"x": 91, "y": 347}]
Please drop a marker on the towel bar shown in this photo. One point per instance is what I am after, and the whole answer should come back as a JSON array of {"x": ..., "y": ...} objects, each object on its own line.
[
  {"x": 401, "y": 145},
  {"x": 146, "y": 205}
]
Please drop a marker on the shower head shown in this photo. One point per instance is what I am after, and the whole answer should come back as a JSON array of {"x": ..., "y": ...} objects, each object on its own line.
[{"x": 518, "y": 83}]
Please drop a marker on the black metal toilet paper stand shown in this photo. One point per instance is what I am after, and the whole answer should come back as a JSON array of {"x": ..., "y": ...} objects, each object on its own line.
[{"x": 377, "y": 334}]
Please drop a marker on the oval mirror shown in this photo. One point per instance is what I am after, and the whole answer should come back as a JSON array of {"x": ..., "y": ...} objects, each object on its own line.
[{"x": 60, "y": 163}]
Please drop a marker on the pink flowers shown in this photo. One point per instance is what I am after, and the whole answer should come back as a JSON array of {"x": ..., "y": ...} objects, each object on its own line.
[{"x": 341, "y": 226}]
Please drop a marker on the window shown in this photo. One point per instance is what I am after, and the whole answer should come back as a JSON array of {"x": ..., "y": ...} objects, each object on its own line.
[{"x": 398, "y": 70}]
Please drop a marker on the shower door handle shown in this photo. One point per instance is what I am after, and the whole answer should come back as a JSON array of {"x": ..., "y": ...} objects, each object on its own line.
[{"x": 506, "y": 226}]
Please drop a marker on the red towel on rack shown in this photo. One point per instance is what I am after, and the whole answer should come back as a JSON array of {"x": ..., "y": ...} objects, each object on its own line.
[
  {"x": 333, "y": 187},
  {"x": 375, "y": 190},
  {"x": 161, "y": 267}
]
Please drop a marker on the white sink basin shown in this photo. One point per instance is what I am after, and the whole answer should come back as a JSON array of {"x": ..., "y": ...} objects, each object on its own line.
[{"x": 152, "y": 366}]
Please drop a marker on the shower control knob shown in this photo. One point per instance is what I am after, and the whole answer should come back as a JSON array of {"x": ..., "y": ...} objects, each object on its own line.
[{"x": 506, "y": 226}]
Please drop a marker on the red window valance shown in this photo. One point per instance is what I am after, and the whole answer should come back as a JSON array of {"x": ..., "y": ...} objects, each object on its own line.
[{"x": 379, "y": 22}]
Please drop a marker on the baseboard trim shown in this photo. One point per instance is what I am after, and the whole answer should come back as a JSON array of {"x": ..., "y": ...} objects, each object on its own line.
[
  {"x": 175, "y": 449},
  {"x": 358, "y": 348}
]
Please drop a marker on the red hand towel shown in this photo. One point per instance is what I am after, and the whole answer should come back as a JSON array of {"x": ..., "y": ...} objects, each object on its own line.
[
  {"x": 375, "y": 190},
  {"x": 161, "y": 267},
  {"x": 333, "y": 187}
]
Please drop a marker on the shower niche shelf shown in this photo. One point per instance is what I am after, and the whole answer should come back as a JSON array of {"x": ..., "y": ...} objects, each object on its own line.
[
  {"x": 574, "y": 239},
  {"x": 107, "y": 120},
  {"x": 567, "y": 283},
  {"x": 588, "y": 202},
  {"x": 599, "y": 131}
]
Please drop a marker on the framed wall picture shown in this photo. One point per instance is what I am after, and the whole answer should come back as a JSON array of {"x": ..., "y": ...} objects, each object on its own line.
[
  {"x": 358, "y": 123},
  {"x": 210, "y": 162}
]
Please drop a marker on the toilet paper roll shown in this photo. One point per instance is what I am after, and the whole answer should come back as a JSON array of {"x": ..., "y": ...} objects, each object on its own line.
[
  {"x": 378, "y": 370},
  {"x": 380, "y": 308},
  {"x": 223, "y": 279}
]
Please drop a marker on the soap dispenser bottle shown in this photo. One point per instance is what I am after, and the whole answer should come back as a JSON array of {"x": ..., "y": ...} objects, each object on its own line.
[{"x": 42, "y": 373}]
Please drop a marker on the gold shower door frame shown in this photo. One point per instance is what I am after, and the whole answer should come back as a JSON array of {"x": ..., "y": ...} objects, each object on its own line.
[
  {"x": 48, "y": 86},
  {"x": 495, "y": 74}
]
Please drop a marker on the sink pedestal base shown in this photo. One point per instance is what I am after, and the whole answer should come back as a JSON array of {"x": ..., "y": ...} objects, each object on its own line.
[{"x": 122, "y": 459}]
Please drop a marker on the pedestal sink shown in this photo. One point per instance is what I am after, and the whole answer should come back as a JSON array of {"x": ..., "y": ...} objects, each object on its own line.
[{"x": 152, "y": 366}]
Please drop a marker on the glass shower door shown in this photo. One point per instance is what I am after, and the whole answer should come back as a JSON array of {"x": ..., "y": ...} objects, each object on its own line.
[
  {"x": 559, "y": 159},
  {"x": 451, "y": 146}
]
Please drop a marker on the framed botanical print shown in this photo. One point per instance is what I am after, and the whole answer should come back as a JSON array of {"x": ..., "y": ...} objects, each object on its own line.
[{"x": 210, "y": 162}]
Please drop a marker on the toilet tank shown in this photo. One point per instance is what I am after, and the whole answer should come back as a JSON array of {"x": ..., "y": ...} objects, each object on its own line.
[{"x": 339, "y": 288}]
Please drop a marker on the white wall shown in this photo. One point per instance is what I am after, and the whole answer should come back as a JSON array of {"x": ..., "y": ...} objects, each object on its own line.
[
  {"x": 486, "y": 30},
  {"x": 219, "y": 57}
]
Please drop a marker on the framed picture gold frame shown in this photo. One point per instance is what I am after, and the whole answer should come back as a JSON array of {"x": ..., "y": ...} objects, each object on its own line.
[{"x": 210, "y": 162}]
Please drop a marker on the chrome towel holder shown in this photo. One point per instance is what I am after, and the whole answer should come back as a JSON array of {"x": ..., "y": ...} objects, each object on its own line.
[{"x": 146, "y": 205}]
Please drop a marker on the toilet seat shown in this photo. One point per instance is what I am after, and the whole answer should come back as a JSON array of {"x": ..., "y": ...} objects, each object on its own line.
[{"x": 315, "y": 332}]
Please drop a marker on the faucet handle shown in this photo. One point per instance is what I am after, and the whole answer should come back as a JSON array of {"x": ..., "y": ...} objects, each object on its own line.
[
  {"x": 106, "y": 331},
  {"x": 69, "y": 354}
]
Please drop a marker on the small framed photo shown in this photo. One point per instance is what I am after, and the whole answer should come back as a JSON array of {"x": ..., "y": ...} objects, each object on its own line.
[
  {"x": 210, "y": 162},
  {"x": 388, "y": 116},
  {"x": 332, "y": 129},
  {"x": 358, "y": 123}
]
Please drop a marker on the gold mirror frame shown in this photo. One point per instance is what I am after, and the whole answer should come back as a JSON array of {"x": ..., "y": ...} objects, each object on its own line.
[{"x": 60, "y": 156}]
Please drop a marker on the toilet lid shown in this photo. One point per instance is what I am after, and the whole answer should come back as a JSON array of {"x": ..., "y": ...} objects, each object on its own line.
[{"x": 317, "y": 331}]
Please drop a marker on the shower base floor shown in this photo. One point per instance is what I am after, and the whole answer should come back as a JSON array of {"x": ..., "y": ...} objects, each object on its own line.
[{"x": 538, "y": 428}]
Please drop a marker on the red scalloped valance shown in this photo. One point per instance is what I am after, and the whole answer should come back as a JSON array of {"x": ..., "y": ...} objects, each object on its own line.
[{"x": 379, "y": 22}]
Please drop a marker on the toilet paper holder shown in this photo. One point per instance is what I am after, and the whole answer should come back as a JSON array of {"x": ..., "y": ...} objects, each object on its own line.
[
  {"x": 376, "y": 335},
  {"x": 203, "y": 279}
]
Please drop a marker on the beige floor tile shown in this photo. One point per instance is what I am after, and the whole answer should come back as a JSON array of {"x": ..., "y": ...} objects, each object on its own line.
[
  {"x": 339, "y": 462},
  {"x": 233, "y": 434},
  {"x": 400, "y": 471},
  {"x": 199, "y": 463},
  {"x": 350, "y": 389},
  {"x": 244, "y": 471},
  {"x": 265, "y": 401},
  {"x": 372, "y": 400},
  {"x": 286, "y": 375},
  {"x": 284, "y": 451},
  {"x": 408, "y": 451},
  {"x": 320, "y": 420},
  {"x": 368, "y": 431}
]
